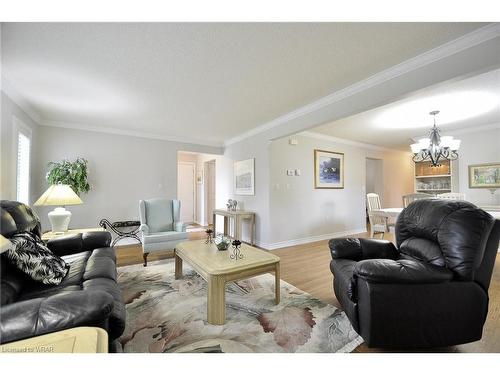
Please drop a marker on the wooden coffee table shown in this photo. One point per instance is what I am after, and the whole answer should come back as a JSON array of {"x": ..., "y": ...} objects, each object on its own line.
[{"x": 217, "y": 269}]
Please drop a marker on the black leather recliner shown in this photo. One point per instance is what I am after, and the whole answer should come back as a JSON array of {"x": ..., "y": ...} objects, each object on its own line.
[
  {"x": 429, "y": 291},
  {"x": 88, "y": 296}
]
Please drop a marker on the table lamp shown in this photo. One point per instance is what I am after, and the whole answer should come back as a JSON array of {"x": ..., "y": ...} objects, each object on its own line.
[
  {"x": 5, "y": 244},
  {"x": 59, "y": 195}
]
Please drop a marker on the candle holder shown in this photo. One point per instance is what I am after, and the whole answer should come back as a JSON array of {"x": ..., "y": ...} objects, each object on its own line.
[
  {"x": 236, "y": 250},
  {"x": 210, "y": 236}
]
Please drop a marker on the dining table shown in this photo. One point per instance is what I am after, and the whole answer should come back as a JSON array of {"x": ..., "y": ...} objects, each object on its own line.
[{"x": 393, "y": 212}]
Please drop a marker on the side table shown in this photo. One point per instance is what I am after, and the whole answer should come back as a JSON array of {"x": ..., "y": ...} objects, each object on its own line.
[
  {"x": 237, "y": 216},
  {"x": 118, "y": 228},
  {"x": 73, "y": 340},
  {"x": 50, "y": 235}
]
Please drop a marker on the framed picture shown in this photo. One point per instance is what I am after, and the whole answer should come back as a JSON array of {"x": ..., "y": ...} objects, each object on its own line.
[
  {"x": 244, "y": 177},
  {"x": 486, "y": 176},
  {"x": 328, "y": 170}
]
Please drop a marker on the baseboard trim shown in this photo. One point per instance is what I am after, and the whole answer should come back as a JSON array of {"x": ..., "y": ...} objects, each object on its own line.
[{"x": 304, "y": 240}]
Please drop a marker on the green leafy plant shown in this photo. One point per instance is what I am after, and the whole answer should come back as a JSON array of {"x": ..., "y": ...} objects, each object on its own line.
[{"x": 69, "y": 173}]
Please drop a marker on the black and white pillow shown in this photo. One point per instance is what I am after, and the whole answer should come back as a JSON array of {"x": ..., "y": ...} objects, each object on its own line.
[{"x": 30, "y": 255}]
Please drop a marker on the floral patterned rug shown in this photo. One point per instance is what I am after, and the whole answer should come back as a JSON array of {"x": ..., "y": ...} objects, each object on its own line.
[{"x": 168, "y": 315}]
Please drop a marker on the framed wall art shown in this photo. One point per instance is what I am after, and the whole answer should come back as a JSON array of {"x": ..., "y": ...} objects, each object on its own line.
[
  {"x": 486, "y": 176},
  {"x": 328, "y": 170},
  {"x": 244, "y": 177}
]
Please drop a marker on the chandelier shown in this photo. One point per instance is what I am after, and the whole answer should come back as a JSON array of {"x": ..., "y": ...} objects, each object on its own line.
[{"x": 435, "y": 148}]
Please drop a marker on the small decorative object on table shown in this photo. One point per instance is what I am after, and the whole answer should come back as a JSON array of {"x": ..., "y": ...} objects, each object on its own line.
[
  {"x": 231, "y": 204},
  {"x": 222, "y": 242},
  {"x": 236, "y": 250},
  {"x": 210, "y": 235}
]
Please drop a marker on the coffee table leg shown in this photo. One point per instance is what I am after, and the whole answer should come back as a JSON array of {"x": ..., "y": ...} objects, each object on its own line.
[
  {"x": 277, "y": 282},
  {"x": 216, "y": 303},
  {"x": 178, "y": 267}
]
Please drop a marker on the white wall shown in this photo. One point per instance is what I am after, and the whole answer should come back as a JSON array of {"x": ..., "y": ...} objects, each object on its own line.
[
  {"x": 9, "y": 109},
  {"x": 478, "y": 148},
  {"x": 122, "y": 170},
  {"x": 255, "y": 147},
  {"x": 300, "y": 213}
]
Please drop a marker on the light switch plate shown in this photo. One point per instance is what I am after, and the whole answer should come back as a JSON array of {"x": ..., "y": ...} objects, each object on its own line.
[
  {"x": 297, "y": 172},
  {"x": 290, "y": 172}
]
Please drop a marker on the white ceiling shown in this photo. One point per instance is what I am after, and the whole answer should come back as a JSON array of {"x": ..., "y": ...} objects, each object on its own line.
[
  {"x": 465, "y": 104},
  {"x": 203, "y": 82}
]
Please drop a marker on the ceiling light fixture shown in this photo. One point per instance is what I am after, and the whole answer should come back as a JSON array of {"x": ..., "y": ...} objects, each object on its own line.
[{"x": 435, "y": 148}]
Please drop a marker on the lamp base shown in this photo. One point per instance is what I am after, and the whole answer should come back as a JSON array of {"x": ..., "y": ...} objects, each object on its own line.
[{"x": 59, "y": 219}]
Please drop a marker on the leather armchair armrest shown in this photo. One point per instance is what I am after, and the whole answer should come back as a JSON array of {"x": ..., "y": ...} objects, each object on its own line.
[
  {"x": 39, "y": 316},
  {"x": 144, "y": 228},
  {"x": 75, "y": 243},
  {"x": 361, "y": 248},
  {"x": 387, "y": 271},
  {"x": 179, "y": 226}
]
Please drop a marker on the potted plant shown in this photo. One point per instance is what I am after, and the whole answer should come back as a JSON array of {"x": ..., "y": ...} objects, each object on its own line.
[{"x": 72, "y": 173}]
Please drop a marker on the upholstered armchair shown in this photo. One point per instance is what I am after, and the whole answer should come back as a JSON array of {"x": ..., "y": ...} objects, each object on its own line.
[
  {"x": 160, "y": 227},
  {"x": 428, "y": 290}
]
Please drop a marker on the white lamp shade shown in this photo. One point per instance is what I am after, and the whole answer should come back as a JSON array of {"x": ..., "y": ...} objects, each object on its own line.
[
  {"x": 58, "y": 195},
  {"x": 424, "y": 143},
  {"x": 416, "y": 147},
  {"x": 455, "y": 144},
  {"x": 446, "y": 141},
  {"x": 5, "y": 244}
]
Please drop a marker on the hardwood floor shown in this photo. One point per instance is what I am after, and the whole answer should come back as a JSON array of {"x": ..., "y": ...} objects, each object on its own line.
[{"x": 308, "y": 268}]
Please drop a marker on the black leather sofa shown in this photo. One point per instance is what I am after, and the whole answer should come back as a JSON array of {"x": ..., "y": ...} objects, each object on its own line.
[
  {"x": 88, "y": 296},
  {"x": 431, "y": 290}
]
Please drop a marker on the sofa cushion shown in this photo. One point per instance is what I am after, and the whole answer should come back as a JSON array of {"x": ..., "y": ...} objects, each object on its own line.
[
  {"x": 164, "y": 237},
  {"x": 30, "y": 255}
]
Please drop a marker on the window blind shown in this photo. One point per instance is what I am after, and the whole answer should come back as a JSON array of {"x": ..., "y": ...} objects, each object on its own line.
[{"x": 23, "y": 168}]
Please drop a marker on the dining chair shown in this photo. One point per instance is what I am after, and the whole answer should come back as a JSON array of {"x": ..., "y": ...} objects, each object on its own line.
[
  {"x": 452, "y": 196},
  {"x": 408, "y": 198},
  {"x": 378, "y": 223}
]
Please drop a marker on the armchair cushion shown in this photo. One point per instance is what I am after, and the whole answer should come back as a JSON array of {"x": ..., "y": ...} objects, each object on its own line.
[
  {"x": 165, "y": 237},
  {"x": 404, "y": 271},
  {"x": 360, "y": 248},
  {"x": 159, "y": 215},
  {"x": 179, "y": 226}
]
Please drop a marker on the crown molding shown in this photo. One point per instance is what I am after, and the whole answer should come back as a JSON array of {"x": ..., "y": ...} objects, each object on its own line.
[
  {"x": 18, "y": 99},
  {"x": 344, "y": 141},
  {"x": 462, "y": 43},
  {"x": 131, "y": 133}
]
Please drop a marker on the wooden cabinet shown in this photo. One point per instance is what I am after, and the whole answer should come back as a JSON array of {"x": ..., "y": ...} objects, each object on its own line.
[{"x": 436, "y": 180}]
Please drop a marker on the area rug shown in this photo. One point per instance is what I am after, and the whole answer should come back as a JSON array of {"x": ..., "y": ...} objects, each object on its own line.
[{"x": 167, "y": 315}]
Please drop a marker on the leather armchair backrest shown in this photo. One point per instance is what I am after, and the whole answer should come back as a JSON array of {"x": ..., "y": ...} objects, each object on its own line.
[
  {"x": 17, "y": 217},
  {"x": 159, "y": 214},
  {"x": 460, "y": 229}
]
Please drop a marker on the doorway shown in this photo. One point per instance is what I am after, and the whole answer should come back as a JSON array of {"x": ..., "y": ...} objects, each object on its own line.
[
  {"x": 186, "y": 174},
  {"x": 209, "y": 169},
  {"x": 374, "y": 178}
]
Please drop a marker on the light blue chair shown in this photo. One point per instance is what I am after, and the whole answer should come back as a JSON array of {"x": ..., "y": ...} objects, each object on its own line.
[{"x": 161, "y": 227}]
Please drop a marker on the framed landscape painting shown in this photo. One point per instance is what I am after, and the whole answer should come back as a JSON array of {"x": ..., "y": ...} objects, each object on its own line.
[
  {"x": 244, "y": 177},
  {"x": 328, "y": 170},
  {"x": 486, "y": 176}
]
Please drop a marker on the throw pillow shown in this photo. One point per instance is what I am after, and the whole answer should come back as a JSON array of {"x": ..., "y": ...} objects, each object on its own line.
[{"x": 30, "y": 255}]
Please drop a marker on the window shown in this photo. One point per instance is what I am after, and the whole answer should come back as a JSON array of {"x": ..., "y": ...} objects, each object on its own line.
[{"x": 23, "y": 158}]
